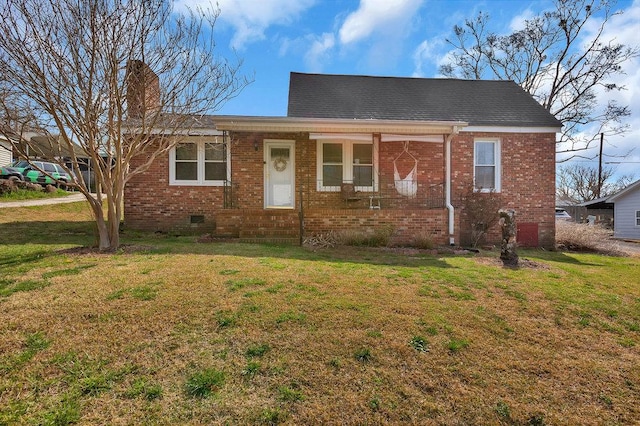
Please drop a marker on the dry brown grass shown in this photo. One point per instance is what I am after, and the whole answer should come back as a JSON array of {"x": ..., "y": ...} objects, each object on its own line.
[
  {"x": 581, "y": 237},
  {"x": 557, "y": 344}
]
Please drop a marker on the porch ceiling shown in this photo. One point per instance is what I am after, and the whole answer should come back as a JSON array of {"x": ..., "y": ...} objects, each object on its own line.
[{"x": 295, "y": 124}]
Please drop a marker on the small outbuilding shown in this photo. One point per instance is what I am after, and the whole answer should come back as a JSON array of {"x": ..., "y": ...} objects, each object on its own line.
[{"x": 626, "y": 224}]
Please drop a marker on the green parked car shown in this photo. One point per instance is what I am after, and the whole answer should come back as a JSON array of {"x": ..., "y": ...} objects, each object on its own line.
[
  {"x": 56, "y": 175},
  {"x": 10, "y": 174}
]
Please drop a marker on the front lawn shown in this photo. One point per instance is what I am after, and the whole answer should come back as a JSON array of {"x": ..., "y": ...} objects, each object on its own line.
[{"x": 171, "y": 331}]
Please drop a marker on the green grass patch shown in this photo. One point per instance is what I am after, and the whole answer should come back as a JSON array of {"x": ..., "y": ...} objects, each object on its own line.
[
  {"x": 257, "y": 351},
  {"x": 145, "y": 389},
  {"x": 234, "y": 285},
  {"x": 251, "y": 369},
  {"x": 419, "y": 343},
  {"x": 290, "y": 393},
  {"x": 457, "y": 345},
  {"x": 33, "y": 343},
  {"x": 27, "y": 194},
  {"x": 67, "y": 411},
  {"x": 363, "y": 355},
  {"x": 203, "y": 384},
  {"x": 11, "y": 286},
  {"x": 65, "y": 272},
  {"x": 272, "y": 416},
  {"x": 291, "y": 317},
  {"x": 144, "y": 292}
]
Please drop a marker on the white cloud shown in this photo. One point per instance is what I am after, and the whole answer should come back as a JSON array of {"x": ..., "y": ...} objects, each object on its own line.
[
  {"x": 517, "y": 22},
  {"x": 378, "y": 16},
  {"x": 316, "y": 50},
  {"x": 427, "y": 54},
  {"x": 318, "y": 54},
  {"x": 251, "y": 18}
]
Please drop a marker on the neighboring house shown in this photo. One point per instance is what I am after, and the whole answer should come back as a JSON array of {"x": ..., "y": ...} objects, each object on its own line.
[
  {"x": 626, "y": 212},
  {"x": 362, "y": 154},
  {"x": 6, "y": 153},
  {"x": 600, "y": 208}
]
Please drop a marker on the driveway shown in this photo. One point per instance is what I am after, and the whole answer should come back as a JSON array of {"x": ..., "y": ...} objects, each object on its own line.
[
  {"x": 73, "y": 198},
  {"x": 632, "y": 248}
]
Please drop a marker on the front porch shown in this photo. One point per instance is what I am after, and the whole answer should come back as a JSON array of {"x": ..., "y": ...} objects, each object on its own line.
[{"x": 404, "y": 226}]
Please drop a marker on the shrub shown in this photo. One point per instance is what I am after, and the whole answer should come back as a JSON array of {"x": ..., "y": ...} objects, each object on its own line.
[
  {"x": 423, "y": 240},
  {"x": 581, "y": 237},
  {"x": 378, "y": 238},
  {"x": 481, "y": 209}
]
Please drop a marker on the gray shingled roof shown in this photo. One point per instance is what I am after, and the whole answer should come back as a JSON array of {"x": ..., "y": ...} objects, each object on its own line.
[{"x": 478, "y": 102}]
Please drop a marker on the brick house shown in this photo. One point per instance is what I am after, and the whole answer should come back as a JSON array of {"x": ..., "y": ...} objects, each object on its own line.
[{"x": 360, "y": 154}]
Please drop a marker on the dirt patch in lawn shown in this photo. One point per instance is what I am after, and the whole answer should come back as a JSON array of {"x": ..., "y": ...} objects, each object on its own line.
[{"x": 522, "y": 263}]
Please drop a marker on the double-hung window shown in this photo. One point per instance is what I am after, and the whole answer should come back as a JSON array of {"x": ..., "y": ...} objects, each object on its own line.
[
  {"x": 202, "y": 162},
  {"x": 486, "y": 165},
  {"x": 637, "y": 217},
  {"x": 344, "y": 161}
]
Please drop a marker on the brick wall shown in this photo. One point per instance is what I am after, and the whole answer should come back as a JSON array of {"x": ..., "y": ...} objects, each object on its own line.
[
  {"x": 527, "y": 186},
  {"x": 406, "y": 225},
  {"x": 528, "y": 177},
  {"x": 150, "y": 203}
]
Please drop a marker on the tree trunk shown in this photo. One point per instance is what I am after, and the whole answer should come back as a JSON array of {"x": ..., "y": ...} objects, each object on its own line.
[
  {"x": 108, "y": 231},
  {"x": 508, "y": 253}
]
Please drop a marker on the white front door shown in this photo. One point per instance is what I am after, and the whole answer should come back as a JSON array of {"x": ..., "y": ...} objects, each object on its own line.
[{"x": 279, "y": 175}]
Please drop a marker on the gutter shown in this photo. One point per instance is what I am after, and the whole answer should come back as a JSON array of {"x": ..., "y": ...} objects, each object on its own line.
[{"x": 448, "y": 204}]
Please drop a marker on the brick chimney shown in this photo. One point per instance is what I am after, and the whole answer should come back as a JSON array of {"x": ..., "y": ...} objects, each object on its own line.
[{"x": 143, "y": 89}]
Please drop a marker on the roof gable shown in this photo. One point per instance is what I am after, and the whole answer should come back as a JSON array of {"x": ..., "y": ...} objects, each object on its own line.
[
  {"x": 478, "y": 102},
  {"x": 625, "y": 191}
]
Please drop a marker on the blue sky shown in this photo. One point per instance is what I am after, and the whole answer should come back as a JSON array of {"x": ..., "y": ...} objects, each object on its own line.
[{"x": 377, "y": 37}]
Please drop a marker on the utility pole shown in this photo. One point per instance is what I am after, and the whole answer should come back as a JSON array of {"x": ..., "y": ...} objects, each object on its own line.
[{"x": 600, "y": 166}]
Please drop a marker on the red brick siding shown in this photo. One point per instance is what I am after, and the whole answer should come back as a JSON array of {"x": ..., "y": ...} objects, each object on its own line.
[
  {"x": 527, "y": 186},
  {"x": 527, "y": 181},
  {"x": 150, "y": 203},
  {"x": 406, "y": 225}
]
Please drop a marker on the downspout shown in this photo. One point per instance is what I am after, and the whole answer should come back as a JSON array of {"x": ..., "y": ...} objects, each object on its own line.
[{"x": 448, "y": 204}]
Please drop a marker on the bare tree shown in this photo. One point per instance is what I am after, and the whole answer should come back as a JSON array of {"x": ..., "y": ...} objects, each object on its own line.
[
  {"x": 551, "y": 60},
  {"x": 89, "y": 73},
  {"x": 576, "y": 183}
]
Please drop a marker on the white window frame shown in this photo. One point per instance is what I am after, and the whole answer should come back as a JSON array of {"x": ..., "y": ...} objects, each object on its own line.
[
  {"x": 638, "y": 218},
  {"x": 497, "y": 166},
  {"x": 347, "y": 164},
  {"x": 200, "y": 181}
]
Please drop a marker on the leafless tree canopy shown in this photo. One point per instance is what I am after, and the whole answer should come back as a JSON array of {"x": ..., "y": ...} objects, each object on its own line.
[
  {"x": 550, "y": 59},
  {"x": 67, "y": 66},
  {"x": 577, "y": 183}
]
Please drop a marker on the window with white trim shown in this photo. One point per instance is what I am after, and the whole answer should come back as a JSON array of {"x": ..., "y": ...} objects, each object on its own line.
[
  {"x": 486, "y": 165},
  {"x": 637, "y": 217},
  {"x": 198, "y": 163},
  {"x": 344, "y": 161}
]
